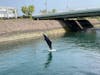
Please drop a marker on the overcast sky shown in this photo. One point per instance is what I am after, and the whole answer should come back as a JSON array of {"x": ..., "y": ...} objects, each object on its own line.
[{"x": 60, "y": 5}]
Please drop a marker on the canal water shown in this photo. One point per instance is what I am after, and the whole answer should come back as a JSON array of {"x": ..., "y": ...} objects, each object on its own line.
[{"x": 76, "y": 54}]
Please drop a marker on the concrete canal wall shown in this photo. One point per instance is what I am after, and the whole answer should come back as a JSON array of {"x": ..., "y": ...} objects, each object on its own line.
[
  {"x": 23, "y": 29},
  {"x": 95, "y": 22}
]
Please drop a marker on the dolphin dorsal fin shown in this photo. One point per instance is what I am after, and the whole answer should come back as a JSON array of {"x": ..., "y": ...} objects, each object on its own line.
[{"x": 48, "y": 41}]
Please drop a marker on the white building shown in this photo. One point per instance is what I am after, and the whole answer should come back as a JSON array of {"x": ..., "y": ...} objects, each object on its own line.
[{"x": 8, "y": 12}]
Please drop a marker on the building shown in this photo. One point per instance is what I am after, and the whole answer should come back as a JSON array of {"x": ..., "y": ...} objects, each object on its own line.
[{"x": 8, "y": 12}]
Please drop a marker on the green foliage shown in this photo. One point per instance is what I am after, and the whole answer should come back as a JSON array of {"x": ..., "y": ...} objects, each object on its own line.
[
  {"x": 28, "y": 10},
  {"x": 54, "y": 10},
  {"x": 43, "y": 11},
  {"x": 25, "y": 10}
]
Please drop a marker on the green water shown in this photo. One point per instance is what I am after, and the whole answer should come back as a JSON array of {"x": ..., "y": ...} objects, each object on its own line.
[{"x": 77, "y": 54}]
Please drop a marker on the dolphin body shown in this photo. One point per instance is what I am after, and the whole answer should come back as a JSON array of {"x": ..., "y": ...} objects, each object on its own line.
[{"x": 48, "y": 41}]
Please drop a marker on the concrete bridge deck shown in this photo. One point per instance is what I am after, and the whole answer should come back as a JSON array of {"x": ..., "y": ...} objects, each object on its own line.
[
  {"x": 70, "y": 14},
  {"x": 73, "y": 25}
]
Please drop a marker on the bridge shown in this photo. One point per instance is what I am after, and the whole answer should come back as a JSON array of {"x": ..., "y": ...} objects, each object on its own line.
[
  {"x": 74, "y": 25},
  {"x": 70, "y": 14}
]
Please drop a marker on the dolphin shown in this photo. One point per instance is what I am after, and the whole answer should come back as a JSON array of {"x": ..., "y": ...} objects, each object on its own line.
[{"x": 48, "y": 41}]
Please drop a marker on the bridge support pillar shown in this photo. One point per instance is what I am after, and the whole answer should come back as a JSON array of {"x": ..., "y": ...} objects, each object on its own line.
[
  {"x": 81, "y": 27},
  {"x": 78, "y": 25}
]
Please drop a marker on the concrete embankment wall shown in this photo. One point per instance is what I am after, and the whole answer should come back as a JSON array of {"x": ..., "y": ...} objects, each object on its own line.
[
  {"x": 95, "y": 22},
  {"x": 21, "y": 29}
]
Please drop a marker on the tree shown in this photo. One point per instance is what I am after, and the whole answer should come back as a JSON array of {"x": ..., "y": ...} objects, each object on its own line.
[
  {"x": 43, "y": 11},
  {"x": 54, "y": 10},
  {"x": 28, "y": 10},
  {"x": 25, "y": 10},
  {"x": 50, "y": 12}
]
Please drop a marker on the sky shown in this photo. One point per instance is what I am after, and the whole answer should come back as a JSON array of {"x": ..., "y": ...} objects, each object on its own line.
[{"x": 59, "y": 5}]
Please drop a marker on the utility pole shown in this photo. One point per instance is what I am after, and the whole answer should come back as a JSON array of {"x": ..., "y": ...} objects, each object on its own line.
[
  {"x": 46, "y": 5},
  {"x": 67, "y": 6}
]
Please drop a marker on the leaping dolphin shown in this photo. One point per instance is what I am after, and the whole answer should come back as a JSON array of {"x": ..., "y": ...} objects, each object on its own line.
[{"x": 48, "y": 41}]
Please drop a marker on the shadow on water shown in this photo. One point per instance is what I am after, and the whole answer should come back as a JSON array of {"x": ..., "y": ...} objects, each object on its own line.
[
  {"x": 85, "y": 39},
  {"x": 49, "y": 59}
]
